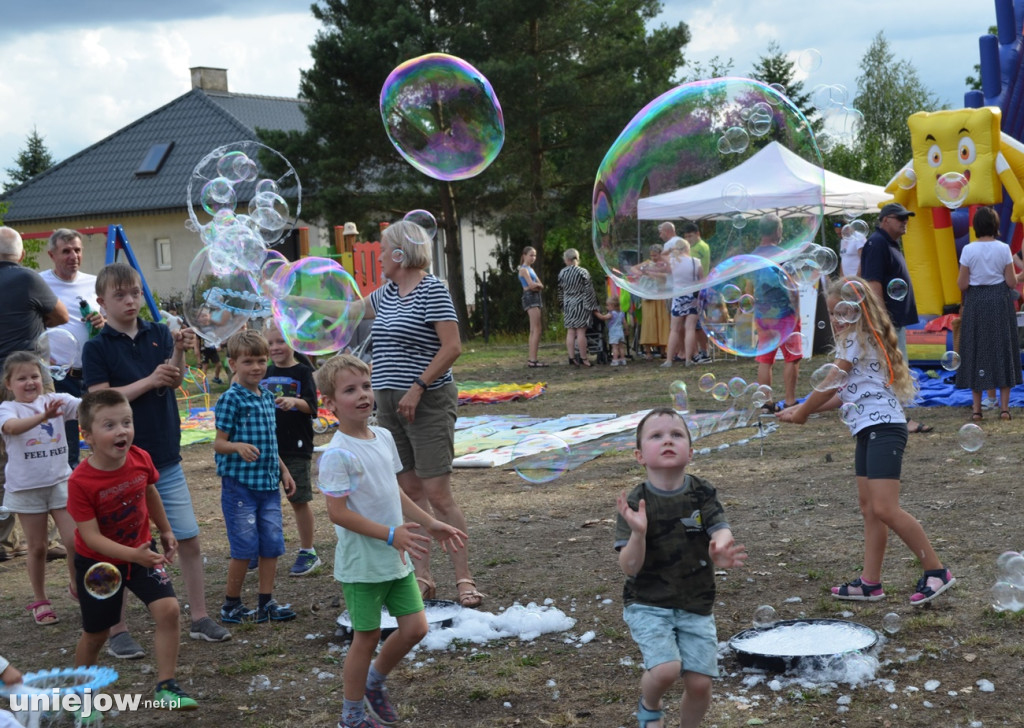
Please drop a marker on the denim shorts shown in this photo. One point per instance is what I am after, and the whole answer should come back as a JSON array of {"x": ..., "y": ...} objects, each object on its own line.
[
  {"x": 38, "y": 500},
  {"x": 252, "y": 519},
  {"x": 531, "y": 299},
  {"x": 879, "y": 453},
  {"x": 674, "y": 635},
  {"x": 177, "y": 502},
  {"x": 364, "y": 600}
]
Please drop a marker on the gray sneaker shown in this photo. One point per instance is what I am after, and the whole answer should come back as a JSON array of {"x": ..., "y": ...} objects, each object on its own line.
[
  {"x": 207, "y": 629},
  {"x": 124, "y": 647}
]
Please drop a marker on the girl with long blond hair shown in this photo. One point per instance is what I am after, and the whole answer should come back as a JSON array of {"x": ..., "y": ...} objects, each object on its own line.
[{"x": 871, "y": 383}]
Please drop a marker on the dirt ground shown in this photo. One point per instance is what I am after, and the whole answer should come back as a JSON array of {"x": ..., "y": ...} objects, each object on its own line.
[{"x": 794, "y": 505}]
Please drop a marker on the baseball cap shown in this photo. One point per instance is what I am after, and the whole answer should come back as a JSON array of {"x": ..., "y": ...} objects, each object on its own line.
[{"x": 895, "y": 208}]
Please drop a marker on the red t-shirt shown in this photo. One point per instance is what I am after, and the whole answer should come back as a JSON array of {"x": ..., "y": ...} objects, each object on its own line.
[{"x": 116, "y": 499}]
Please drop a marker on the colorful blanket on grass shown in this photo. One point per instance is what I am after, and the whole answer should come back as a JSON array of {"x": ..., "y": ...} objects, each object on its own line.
[{"x": 491, "y": 392}]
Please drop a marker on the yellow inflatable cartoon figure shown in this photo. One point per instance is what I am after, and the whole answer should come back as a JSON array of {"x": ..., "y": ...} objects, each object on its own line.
[{"x": 960, "y": 158}]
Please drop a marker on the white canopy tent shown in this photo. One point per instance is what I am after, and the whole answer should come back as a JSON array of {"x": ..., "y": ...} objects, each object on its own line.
[{"x": 775, "y": 180}]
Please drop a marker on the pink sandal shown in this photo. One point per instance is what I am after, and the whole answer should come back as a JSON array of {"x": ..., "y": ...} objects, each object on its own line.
[{"x": 42, "y": 613}]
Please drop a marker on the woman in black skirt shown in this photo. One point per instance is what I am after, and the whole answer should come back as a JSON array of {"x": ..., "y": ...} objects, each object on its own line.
[{"x": 989, "y": 348}]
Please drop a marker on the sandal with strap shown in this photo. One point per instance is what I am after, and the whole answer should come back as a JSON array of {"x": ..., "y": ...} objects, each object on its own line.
[
  {"x": 646, "y": 716},
  {"x": 858, "y": 591},
  {"x": 471, "y": 598},
  {"x": 428, "y": 589},
  {"x": 580, "y": 361},
  {"x": 977, "y": 416},
  {"x": 1005, "y": 415},
  {"x": 42, "y": 613},
  {"x": 534, "y": 364}
]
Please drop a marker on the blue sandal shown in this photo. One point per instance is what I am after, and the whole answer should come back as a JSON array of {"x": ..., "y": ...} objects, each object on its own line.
[{"x": 645, "y": 716}]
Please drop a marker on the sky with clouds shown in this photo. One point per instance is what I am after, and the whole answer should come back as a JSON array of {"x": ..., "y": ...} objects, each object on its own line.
[{"x": 79, "y": 70}]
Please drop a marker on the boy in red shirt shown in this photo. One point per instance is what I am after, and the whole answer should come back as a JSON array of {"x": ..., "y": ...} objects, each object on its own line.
[{"x": 112, "y": 496}]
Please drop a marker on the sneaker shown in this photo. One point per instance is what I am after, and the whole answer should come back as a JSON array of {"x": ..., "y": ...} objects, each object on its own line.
[
  {"x": 858, "y": 591},
  {"x": 254, "y": 563},
  {"x": 305, "y": 564},
  {"x": 702, "y": 358},
  {"x": 124, "y": 647},
  {"x": 275, "y": 612},
  {"x": 170, "y": 696},
  {"x": 366, "y": 721},
  {"x": 931, "y": 585},
  {"x": 379, "y": 705},
  {"x": 217, "y": 380},
  {"x": 237, "y": 614},
  {"x": 987, "y": 403},
  {"x": 207, "y": 629},
  {"x": 666, "y": 364}
]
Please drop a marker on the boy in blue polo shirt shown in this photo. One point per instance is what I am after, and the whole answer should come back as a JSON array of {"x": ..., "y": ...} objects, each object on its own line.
[
  {"x": 146, "y": 362},
  {"x": 250, "y": 470}
]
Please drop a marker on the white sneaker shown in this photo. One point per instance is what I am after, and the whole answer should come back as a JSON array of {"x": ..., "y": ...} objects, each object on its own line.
[
  {"x": 667, "y": 364},
  {"x": 615, "y": 362},
  {"x": 987, "y": 404}
]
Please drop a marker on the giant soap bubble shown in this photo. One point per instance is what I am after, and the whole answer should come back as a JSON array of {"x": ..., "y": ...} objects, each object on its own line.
[
  {"x": 671, "y": 162},
  {"x": 442, "y": 116},
  {"x": 317, "y": 305},
  {"x": 217, "y": 303},
  {"x": 243, "y": 185},
  {"x": 749, "y": 305}
]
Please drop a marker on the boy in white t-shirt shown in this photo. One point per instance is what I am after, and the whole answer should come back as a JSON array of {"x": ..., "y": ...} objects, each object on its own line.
[{"x": 368, "y": 508}]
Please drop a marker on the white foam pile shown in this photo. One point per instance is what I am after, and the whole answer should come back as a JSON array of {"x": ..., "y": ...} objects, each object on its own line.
[
  {"x": 524, "y": 622},
  {"x": 802, "y": 640}
]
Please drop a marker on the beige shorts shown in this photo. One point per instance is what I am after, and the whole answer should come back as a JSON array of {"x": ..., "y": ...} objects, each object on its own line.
[
  {"x": 38, "y": 500},
  {"x": 427, "y": 445}
]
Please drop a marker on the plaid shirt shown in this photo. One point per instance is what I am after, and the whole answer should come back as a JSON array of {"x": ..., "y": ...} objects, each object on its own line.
[{"x": 249, "y": 417}]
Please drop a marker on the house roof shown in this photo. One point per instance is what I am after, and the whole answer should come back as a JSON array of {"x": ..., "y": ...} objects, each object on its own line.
[{"x": 102, "y": 179}]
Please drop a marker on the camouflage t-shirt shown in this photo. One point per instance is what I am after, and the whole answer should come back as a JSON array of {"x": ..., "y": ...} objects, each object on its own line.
[{"x": 677, "y": 572}]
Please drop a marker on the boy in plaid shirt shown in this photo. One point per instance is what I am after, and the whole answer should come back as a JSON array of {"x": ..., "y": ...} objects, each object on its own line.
[{"x": 250, "y": 471}]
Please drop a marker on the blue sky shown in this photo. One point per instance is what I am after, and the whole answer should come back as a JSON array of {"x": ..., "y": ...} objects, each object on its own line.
[{"x": 79, "y": 70}]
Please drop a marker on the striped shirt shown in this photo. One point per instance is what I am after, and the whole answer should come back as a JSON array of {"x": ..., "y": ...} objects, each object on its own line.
[
  {"x": 249, "y": 417},
  {"x": 404, "y": 338}
]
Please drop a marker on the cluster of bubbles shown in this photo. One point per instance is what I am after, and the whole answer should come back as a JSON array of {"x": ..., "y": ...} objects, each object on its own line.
[
  {"x": 971, "y": 437},
  {"x": 443, "y": 117},
  {"x": 745, "y": 400},
  {"x": 1008, "y": 591},
  {"x": 688, "y": 136},
  {"x": 828, "y": 377},
  {"x": 57, "y": 348},
  {"x": 102, "y": 580}
]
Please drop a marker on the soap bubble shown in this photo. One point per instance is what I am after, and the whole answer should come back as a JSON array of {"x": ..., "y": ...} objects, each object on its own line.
[
  {"x": 1007, "y": 597},
  {"x": 442, "y": 116},
  {"x": 57, "y": 348},
  {"x": 5, "y": 513},
  {"x": 720, "y": 392},
  {"x": 897, "y": 289},
  {"x": 249, "y": 173},
  {"x": 809, "y": 60},
  {"x": 774, "y": 315},
  {"x": 853, "y": 292},
  {"x": 971, "y": 437},
  {"x": 765, "y": 616},
  {"x": 271, "y": 271},
  {"x": 827, "y": 377},
  {"x": 737, "y": 385},
  {"x": 907, "y": 179},
  {"x": 540, "y": 458},
  {"x": 950, "y": 361},
  {"x": 216, "y": 304},
  {"x": 826, "y": 259},
  {"x": 846, "y": 312},
  {"x": 952, "y": 189},
  {"x": 794, "y": 344},
  {"x": 680, "y": 400},
  {"x": 735, "y": 140},
  {"x": 848, "y": 413},
  {"x": 318, "y": 305},
  {"x": 1004, "y": 559},
  {"x": 102, "y": 580},
  {"x": 706, "y": 382},
  {"x": 340, "y": 472},
  {"x": 672, "y": 146},
  {"x": 891, "y": 623},
  {"x": 426, "y": 221}
]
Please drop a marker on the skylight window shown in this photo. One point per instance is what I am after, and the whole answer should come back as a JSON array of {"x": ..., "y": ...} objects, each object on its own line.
[{"x": 155, "y": 158}]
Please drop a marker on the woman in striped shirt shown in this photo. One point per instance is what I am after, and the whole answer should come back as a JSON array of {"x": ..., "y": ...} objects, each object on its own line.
[{"x": 415, "y": 342}]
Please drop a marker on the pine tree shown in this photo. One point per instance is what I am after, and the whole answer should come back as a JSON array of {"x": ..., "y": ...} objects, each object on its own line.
[{"x": 32, "y": 160}]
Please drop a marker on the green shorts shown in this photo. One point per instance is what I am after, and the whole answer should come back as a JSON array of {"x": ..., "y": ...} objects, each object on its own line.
[
  {"x": 426, "y": 445},
  {"x": 364, "y": 600},
  {"x": 299, "y": 466}
]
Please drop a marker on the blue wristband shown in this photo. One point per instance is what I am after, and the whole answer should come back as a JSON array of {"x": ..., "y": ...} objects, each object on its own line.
[{"x": 391, "y": 536}]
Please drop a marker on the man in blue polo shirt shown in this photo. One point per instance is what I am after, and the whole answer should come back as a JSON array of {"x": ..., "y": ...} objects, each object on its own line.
[
  {"x": 146, "y": 363},
  {"x": 881, "y": 262}
]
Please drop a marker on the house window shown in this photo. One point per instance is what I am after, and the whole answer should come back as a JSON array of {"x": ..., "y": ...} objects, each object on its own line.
[
  {"x": 154, "y": 160},
  {"x": 163, "y": 254}
]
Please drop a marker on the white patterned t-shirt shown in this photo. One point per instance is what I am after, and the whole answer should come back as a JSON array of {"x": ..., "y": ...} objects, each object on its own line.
[{"x": 867, "y": 386}]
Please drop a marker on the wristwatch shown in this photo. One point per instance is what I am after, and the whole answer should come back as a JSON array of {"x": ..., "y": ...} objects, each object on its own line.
[{"x": 421, "y": 383}]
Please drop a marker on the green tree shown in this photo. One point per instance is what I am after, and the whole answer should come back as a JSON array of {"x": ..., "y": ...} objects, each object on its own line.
[
  {"x": 568, "y": 75},
  {"x": 888, "y": 92},
  {"x": 776, "y": 68},
  {"x": 31, "y": 160}
]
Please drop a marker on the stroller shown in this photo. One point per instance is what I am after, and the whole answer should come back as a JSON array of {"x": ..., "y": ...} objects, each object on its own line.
[{"x": 597, "y": 340}]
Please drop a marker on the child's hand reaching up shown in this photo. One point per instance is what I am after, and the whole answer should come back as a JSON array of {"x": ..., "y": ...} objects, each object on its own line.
[
  {"x": 52, "y": 408},
  {"x": 406, "y": 539},
  {"x": 726, "y": 553},
  {"x": 636, "y": 520}
]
